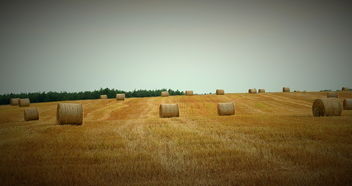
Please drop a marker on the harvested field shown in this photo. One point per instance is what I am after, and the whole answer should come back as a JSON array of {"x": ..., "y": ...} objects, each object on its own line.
[{"x": 272, "y": 140}]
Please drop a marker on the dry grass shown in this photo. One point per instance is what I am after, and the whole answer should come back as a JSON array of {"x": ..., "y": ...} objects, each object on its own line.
[
  {"x": 272, "y": 140},
  {"x": 332, "y": 95}
]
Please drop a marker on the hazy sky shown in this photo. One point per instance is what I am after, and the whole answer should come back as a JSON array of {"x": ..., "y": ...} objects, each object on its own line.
[{"x": 196, "y": 45}]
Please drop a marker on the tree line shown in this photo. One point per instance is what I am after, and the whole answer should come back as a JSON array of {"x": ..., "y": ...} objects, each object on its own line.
[{"x": 36, "y": 97}]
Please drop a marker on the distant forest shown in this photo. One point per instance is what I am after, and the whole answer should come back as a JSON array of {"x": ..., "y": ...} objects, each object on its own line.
[{"x": 36, "y": 97}]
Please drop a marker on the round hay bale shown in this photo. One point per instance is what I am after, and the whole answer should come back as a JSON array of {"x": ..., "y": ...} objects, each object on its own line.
[
  {"x": 31, "y": 114},
  {"x": 103, "y": 96},
  {"x": 345, "y": 89},
  {"x": 169, "y": 110},
  {"x": 189, "y": 92},
  {"x": 332, "y": 95},
  {"x": 24, "y": 102},
  {"x": 220, "y": 92},
  {"x": 327, "y": 107},
  {"x": 120, "y": 97},
  {"x": 285, "y": 89},
  {"x": 14, "y": 101},
  {"x": 226, "y": 109},
  {"x": 69, "y": 113},
  {"x": 252, "y": 91},
  {"x": 347, "y": 104},
  {"x": 165, "y": 94},
  {"x": 261, "y": 90}
]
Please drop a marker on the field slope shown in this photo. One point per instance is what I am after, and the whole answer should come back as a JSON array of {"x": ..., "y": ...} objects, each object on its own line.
[{"x": 272, "y": 140}]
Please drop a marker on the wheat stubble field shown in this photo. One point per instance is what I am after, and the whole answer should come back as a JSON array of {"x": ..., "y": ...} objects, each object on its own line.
[{"x": 271, "y": 140}]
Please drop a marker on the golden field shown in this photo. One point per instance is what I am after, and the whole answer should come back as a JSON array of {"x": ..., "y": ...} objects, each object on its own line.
[{"x": 271, "y": 140}]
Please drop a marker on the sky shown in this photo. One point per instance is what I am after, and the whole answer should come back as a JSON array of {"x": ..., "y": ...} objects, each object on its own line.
[{"x": 186, "y": 45}]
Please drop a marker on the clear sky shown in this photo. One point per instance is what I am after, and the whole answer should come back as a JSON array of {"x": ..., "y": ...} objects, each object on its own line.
[{"x": 195, "y": 45}]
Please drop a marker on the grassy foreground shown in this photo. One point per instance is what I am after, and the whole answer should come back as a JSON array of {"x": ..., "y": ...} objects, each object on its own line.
[{"x": 272, "y": 140}]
